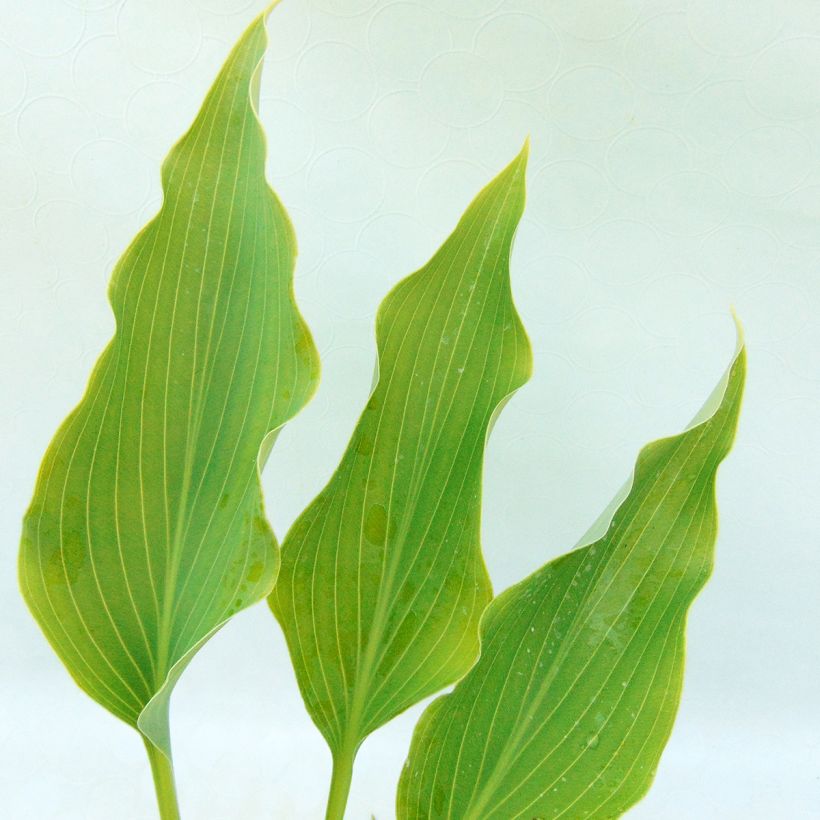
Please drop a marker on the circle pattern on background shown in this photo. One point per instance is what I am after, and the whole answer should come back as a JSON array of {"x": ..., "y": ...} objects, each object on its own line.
[
  {"x": 592, "y": 102},
  {"x": 689, "y": 203},
  {"x": 68, "y": 233},
  {"x": 103, "y": 174},
  {"x": 52, "y": 129},
  {"x": 671, "y": 302},
  {"x": 445, "y": 190},
  {"x": 797, "y": 218},
  {"x": 290, "y": 135},
  {"x": 522, "y": 48},
  {"x": 656, "y": 380},
  {"x": 335, "y": 81},
  {"x": 461, "y": 89},
  {"x": 404, "y": 133},
  {"x": 784, "y": 80},
  {"x": 768, "y": 161},
  {"x": 639, "y": 158},
  {"x": 411, "y": 243},
  {"x": 104, "y": 79},
  {"x": 158, "y": 36},
  {"x": 25, "y": 31},
  {"x": 18, "y": 183},
  {"x": 345, "y": 185},
  {"x": 227, "y": 7},
  {"x": 149, "y": 110},
  {"x": 288, "y": 35},
  {"x": 404, "y": 38},
  {"x": 737, "y": 256},
  {"x": 605, "y": 417},
  {"x": 623, "y": 251},
  {"x": 352, "y": 283},
  {"x": 92, "y": 5},
  {"x": 499, "y": 139},
  {"x": 469, "y": 8},
  {"x": 777, "y": 309},
  {"x": 662, "y": 56},
  {"x": 594, "y": 20},
  {"x": 344, "y": 8},
  {"x": 568, "y": 194},
  {"x": 558, "y": 291},
  {"x": 603, "y": 338},
  {"x": 715, "y": 115},
  {"x": 734, "y": 27},
  {"x": 13, "y": 72}
]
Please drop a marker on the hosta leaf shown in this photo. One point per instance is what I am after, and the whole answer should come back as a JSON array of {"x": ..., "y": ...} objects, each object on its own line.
[
  {"x": 146, "y": 531},
  {"x": 570, "y": 705},
  {"x": 382, "y": 580}
]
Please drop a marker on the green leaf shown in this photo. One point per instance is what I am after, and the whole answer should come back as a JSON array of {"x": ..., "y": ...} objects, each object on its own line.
[
  {"x": 382, "y": 581},
  {"x": 571, "y": 703},
  {"x": 147, "y": 529}
]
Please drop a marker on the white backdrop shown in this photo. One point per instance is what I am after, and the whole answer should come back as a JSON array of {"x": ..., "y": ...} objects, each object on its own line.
[{"x": 674, "y": 171}]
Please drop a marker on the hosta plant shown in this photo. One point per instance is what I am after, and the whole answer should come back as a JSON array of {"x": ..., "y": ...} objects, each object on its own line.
[
  {"x": 572, "y": 700},
  {"x": 383, "y": 583},
  {"x": 382, "y": 587},
  {"x": 147, "y": 530}
]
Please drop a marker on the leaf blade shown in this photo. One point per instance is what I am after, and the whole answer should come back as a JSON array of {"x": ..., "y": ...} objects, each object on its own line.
[
  {"x": 394, "y": 533},
  {"x": 147, "y": 530},
  {"x": 571, "y": 703}
]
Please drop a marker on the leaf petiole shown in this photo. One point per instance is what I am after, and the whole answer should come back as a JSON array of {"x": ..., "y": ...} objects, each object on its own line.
[
  {"x": 163, "y": 771},
  {"x": 340, "y": 782}
]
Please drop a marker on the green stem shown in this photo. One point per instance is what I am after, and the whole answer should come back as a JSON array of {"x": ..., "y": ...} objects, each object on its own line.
[
  {"x": 163, "y": 770},
  {"x": 340, "y": 782}
]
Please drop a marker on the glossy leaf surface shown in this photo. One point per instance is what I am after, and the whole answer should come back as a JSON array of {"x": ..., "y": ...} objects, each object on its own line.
[
  {"x": 572, "y": 701},
  {"x": 147, "y": 530},
  {"x": 383, "y": 582}
]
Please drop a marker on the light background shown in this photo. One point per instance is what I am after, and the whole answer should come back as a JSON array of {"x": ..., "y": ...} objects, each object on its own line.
[{"x": 674, "y": 171}]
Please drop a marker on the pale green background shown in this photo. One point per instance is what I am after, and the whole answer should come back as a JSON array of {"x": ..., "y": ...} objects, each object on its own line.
[{"x": 674, "y": 172}]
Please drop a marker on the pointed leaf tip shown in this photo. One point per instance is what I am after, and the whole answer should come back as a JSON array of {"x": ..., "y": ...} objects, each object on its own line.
[
  {"x": 268, "y": 10},
  {"x": 518, "y": 165},
  {"x": 741, "y": 332}
]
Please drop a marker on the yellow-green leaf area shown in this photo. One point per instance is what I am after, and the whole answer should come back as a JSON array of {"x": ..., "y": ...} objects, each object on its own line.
[
  {"x": 147, "y": 529},
  {"x": 572, "y": 700},
  {"x": 382, "y": 582}
]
